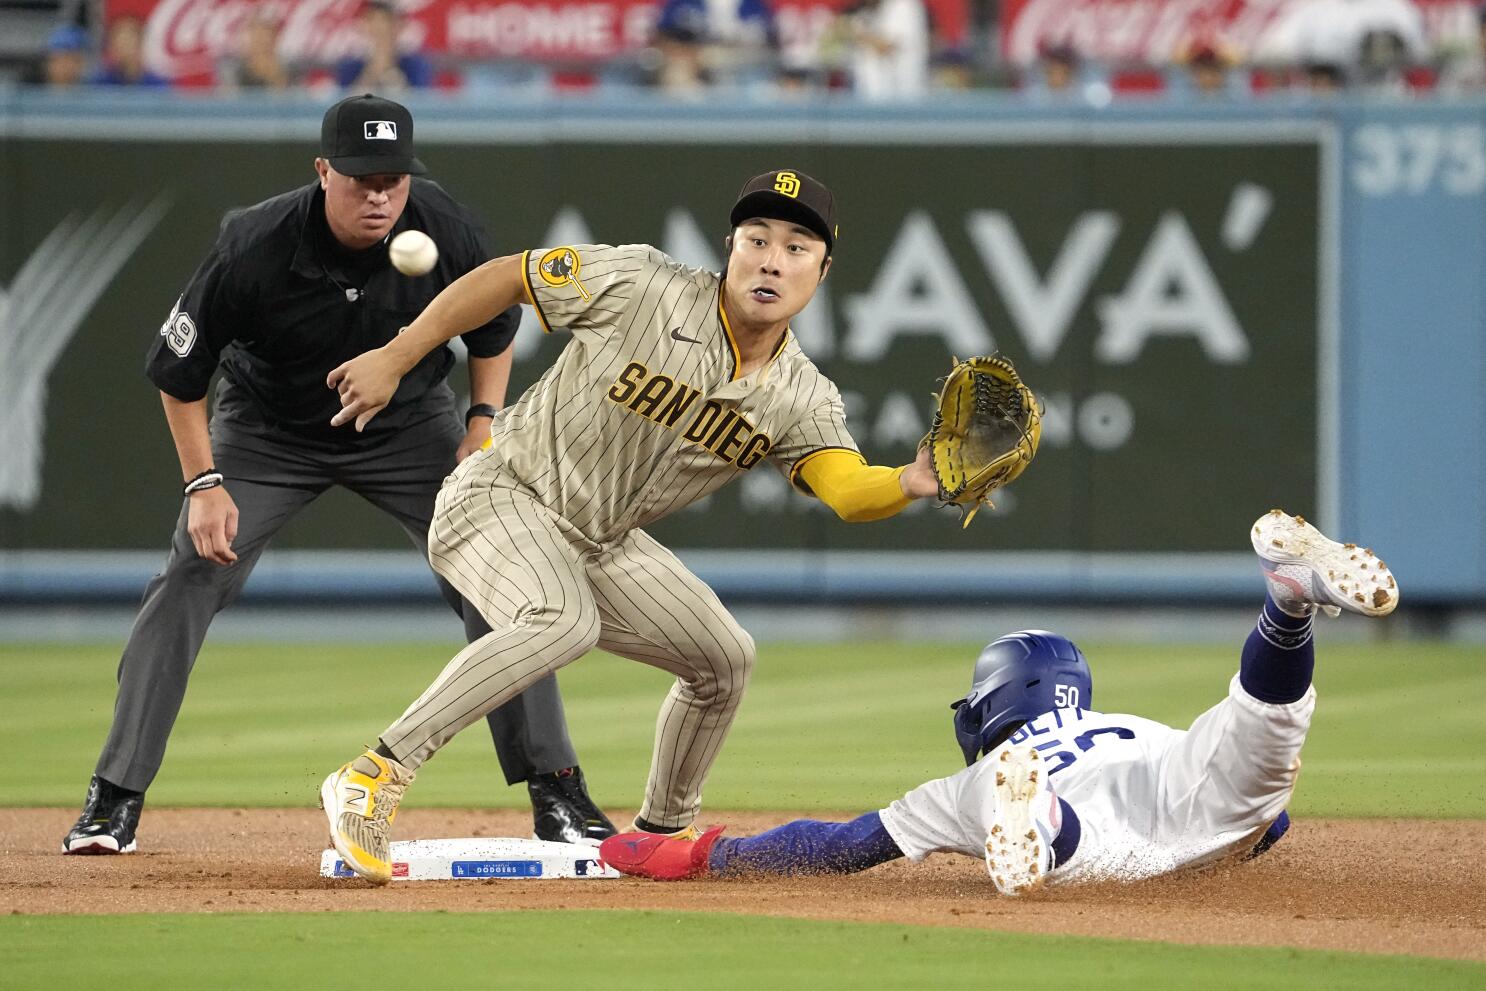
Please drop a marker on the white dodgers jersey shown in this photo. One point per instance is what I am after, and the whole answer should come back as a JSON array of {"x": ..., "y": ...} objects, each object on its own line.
[{"x": 1150, "y": 799}]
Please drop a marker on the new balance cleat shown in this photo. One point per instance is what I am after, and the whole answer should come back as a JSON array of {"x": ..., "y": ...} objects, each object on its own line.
[
  {"x": 562, "y": 812},
  {"x": 360, "y": 801},
  {"x": 1019, "y": 844},
  {"x": 660, "y": 857},
  {"x": 109, "y": 818},
  {"x": 1306, "y": 569}
]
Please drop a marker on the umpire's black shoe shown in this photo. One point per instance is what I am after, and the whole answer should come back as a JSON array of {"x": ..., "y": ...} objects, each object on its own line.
[
  {"x": 561, "y": 810},
  {"x": 110, "y": 816}
]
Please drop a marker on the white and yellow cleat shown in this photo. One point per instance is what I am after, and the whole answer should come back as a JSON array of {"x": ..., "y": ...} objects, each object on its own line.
[
  {"x": 1019, "y": 850},
  {"x": 1306, "y": 569},
  {"x": 360, "y": 800}
]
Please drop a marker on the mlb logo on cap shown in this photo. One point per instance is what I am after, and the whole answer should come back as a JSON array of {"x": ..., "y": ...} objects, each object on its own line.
[{"x": 369, "y": 135}]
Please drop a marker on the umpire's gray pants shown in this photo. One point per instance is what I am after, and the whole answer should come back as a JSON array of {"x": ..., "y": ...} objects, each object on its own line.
[{"x": 270, "y": 477}]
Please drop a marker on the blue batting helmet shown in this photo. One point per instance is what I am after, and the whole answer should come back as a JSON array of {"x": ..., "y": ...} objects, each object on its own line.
[{"x": 1017, "y": 678}]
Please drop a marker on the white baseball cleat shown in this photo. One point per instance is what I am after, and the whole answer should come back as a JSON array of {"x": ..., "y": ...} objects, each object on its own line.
[
  {"x": 1019, "y": 847},
  {"x": 1305, "y": 568}
]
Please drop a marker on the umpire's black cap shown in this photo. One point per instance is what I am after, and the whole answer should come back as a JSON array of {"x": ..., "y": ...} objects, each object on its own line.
[
  {"x": 367, "y": 135},
  {"x": 789, "y": 194}
]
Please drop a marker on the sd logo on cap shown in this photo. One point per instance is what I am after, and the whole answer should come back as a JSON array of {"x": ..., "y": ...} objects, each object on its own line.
[{"x": 789, "y": 194}]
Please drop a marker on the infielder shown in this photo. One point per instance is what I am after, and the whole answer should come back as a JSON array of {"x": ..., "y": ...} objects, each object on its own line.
[
  {"x": 294, "y": 286},
  {"x": 675, "y": 382},
  {"x": 1065, "y": 794}
]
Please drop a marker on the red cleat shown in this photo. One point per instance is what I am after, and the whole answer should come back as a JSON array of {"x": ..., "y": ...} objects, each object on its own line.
[{"x": 660, "y": 858}]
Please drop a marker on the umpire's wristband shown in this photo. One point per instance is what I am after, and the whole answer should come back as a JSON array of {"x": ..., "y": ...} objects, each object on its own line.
[
  {"x": 480, "y": 409},
  {"x": 208, "y": 479}
]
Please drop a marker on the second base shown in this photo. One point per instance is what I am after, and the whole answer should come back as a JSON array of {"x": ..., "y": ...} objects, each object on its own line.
[{"x": 483, "y": 858}]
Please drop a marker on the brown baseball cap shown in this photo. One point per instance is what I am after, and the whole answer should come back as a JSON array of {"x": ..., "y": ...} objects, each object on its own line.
[
  {"x": 367, "y": 135},
  {"x": 789, "y": 194}
]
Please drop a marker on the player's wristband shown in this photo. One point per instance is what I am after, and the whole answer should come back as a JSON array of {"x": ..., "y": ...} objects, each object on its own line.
[
  {"x": 479, "y": 409},
  {"x": 208, "y": 479}
]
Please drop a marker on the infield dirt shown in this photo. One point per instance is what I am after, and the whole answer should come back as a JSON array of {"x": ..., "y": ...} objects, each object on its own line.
[{"x": 1372, "y": 886}]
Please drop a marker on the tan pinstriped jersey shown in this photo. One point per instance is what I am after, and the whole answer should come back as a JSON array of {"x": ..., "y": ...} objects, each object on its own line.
[{"x": 644, "y": 412}]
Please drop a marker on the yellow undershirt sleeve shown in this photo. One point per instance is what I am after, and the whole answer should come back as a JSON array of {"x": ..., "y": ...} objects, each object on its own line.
[{"x": 858, "y": 492}]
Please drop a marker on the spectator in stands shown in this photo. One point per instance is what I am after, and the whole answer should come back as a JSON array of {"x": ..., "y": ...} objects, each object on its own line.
[
  {"x": 1207, "y": 70},
  {"x": 1207, "y": 74},
  {"x": 1328, "y": 36},
  {"x": 952, "y": 70},
  {"x": 702, "y": 42},
  {"x": 805, "y": 34},
  {"x": 1060, "y": 74},
  {"x": 889, "y": 42},
  {"x": 123, "y": 56},
  {"x": 383, "y": 67},
  {"x": 1468, "y": 71},
  {"x": 1478, "y": 77},
  {"x": 256, "y": 63},
  {"x": 66, "y": 62},
  {"x": 1059, "y": 64},
  {"x": 1383, "y": 61},
  {"x": 1325, "y": 77},
  {"x": 680, "y": 38}
]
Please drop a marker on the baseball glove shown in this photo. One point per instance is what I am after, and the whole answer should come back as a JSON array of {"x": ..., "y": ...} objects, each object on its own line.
[{"x": 986, "y": 428}]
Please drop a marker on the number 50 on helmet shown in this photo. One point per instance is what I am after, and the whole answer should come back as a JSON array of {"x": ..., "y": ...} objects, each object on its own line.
[{"x": 1017, "y": 678}]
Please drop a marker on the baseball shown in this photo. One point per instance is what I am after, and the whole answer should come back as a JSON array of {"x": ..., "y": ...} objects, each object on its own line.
[{"x": 413, "y": 253}]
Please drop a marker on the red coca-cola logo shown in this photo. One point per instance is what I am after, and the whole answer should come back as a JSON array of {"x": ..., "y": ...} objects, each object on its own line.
[
  {"x": 184, "y": 39},
  {"x": 1163, "y": 30},
  {"x": 1150, "y": 30}
]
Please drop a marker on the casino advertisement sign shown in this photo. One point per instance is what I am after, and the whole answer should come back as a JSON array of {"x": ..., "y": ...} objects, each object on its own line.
[{"x": 1163, "y": 299}]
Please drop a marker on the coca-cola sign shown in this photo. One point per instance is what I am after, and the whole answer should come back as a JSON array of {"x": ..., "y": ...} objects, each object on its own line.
[
  {"x": 185, "y": 38},
  {"x": 1163, "y": 30}
]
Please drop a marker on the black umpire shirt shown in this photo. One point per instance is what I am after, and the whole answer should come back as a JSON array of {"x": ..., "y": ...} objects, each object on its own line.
[{"x": 280, "y": 302}]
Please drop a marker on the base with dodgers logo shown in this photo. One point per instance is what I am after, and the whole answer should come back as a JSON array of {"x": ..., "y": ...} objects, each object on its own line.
[{"x": 484, "y": 858}]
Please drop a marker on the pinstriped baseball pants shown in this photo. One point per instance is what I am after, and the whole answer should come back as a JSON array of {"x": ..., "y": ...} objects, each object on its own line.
[{"x": 551, "y": 595}]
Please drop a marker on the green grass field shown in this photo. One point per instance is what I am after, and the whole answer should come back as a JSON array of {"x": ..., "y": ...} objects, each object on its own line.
[
  {"x": 845, "y": 727},
  {"x": 643, "y": 951}
]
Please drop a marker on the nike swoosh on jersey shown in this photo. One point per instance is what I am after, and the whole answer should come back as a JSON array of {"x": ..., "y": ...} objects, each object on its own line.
[{"x": 676, "y": 335}]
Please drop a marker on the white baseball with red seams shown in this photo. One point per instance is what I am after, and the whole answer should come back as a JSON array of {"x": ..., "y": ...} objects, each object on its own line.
[{"x": 413, "y": 253}]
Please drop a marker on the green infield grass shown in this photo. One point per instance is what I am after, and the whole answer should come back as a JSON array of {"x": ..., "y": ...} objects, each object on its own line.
[
  {"x": 835, "y": 727},
  {"x": 645, "y": 951}
]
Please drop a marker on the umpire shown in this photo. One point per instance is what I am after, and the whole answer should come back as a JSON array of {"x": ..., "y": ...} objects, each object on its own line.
[{"x": 294, "y": 287}]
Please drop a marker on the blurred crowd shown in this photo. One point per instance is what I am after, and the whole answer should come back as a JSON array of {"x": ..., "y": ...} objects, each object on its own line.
[
  {"x": 73, "y": 56},
  {"x": 879, "y": 50}
]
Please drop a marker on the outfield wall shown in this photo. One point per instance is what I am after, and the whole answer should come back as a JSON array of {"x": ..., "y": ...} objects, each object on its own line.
[{"x": 1225, "y": 310}]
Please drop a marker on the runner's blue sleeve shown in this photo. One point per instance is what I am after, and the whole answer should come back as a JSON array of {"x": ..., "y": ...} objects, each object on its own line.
[{"x": 806, "y": 846}]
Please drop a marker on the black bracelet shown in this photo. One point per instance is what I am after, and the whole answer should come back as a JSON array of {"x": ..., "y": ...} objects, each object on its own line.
[
  {"x": 480, "y": 409},
  {"x": 208, "y": 479}
]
